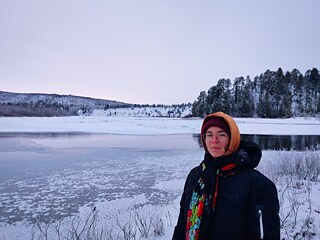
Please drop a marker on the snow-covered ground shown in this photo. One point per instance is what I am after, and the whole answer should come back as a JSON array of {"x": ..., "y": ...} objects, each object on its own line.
[
  {"x": 137, "y": 180},
  {"x": 101, "y": 123}
]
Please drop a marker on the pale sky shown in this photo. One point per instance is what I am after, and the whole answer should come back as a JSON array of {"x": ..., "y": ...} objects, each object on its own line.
[{"x": 151, "y": 51}]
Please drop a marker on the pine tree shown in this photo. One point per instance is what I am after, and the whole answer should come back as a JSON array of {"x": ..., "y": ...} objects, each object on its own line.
[
  {"x": 312, "y": 82},
  {"x": 219, "y": 97},
  {"x": 297, "y": 81},
  {"x": 198, "y": 107}
]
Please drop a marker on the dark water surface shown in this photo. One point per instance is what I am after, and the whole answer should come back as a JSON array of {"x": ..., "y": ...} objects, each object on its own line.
[
  {"x": 285, "y": 142},
  {"x": 281, "y": 142}
]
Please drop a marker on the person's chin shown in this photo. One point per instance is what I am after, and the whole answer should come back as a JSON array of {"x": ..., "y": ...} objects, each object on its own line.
[{"x": 216, "y": 153}]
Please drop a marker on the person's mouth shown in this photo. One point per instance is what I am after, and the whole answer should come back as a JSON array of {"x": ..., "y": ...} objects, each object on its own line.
[{"x": 215, "y": 148}]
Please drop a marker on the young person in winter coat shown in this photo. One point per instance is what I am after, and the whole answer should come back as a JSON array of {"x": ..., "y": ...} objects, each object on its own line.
[{"x": 225, "y": 198}]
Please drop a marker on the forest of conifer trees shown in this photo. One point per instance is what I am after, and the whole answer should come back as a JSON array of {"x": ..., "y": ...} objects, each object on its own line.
[{"x": 273, "y": 94}]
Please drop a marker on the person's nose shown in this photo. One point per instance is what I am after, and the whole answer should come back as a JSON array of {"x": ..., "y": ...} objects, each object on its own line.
[{"x": 214, "y": 138}]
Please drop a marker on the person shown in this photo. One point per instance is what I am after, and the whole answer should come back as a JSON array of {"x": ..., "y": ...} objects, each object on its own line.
[{"x": 224, "y": 197}]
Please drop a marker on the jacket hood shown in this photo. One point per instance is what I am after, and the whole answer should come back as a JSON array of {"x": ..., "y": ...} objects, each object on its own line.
[
  {"x": 234, "y": 131},
  {"x": 249, "y": 154}
]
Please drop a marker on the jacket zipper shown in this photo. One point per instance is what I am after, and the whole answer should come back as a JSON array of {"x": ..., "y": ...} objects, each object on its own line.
[{"x": 261, "y": 224}]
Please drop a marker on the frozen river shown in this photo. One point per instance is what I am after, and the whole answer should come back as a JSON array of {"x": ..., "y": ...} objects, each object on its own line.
[{"x": 50, "y": 176}]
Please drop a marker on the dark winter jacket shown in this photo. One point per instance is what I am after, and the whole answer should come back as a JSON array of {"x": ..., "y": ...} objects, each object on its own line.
[{"x": 247, "y": 204}]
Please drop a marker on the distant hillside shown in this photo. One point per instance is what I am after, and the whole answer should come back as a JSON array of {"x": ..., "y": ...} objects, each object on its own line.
[
  {"x": 39, "y": 104},
  {"x": 50, "y": 105}
]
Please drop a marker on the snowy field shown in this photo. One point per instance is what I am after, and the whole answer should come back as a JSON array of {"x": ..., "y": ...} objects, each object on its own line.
[
  {"x": 100, "y": 123},
  {"x": 128, "y": 169}
]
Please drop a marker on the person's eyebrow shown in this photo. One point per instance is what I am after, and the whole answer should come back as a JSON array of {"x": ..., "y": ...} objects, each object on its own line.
[{"x": 217, "y": 131}]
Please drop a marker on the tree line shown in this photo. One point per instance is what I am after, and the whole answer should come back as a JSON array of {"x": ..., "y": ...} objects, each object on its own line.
[
  {"x": 273, "y": 94},
  {"x": 48, "y": 107}
]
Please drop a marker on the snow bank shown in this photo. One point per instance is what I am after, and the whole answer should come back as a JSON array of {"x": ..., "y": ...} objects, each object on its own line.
[{"x": 154, "y": 125}]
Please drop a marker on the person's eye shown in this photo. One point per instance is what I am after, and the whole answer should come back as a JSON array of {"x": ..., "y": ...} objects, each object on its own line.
[
  {"x": 209, "y": 135},
  {"x": 222, "y": 134}
]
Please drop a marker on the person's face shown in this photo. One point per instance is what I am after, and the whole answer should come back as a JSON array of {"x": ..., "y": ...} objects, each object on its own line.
[{"x": 217, "y": 141}]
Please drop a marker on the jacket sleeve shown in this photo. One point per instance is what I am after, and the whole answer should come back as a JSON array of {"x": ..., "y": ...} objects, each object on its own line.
[
  {"x": 180, "y": 229},
  {"x": 263, "y": 213}
]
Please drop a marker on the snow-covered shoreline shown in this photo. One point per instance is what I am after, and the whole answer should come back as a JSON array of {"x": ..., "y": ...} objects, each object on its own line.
[{"x": 154, "y": 125}]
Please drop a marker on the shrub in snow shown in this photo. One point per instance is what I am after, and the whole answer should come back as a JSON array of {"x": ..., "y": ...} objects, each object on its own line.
[
  {"x": 142, "y": 226},
  {"x": 296, "y": 175},
  {"x": 158, "y": 227}
]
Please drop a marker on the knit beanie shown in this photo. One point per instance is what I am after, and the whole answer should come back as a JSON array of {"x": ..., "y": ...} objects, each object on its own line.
[
  {"x": 225, "y": 122},
  {"x": 215, "y": 122}
]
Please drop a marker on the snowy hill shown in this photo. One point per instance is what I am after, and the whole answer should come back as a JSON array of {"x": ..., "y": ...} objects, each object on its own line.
[
  {"x": 28, "y": 98},
  {"x": 48, "y": 105}
]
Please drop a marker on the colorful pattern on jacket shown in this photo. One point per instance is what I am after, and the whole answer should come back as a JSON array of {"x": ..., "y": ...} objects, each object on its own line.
[{"x": 198, "y": 200}]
